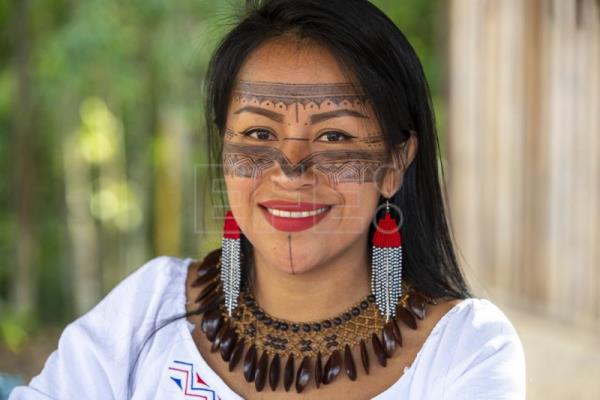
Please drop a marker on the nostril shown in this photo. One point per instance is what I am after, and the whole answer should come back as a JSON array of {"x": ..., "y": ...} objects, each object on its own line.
[{"x": 295, "y": 178}]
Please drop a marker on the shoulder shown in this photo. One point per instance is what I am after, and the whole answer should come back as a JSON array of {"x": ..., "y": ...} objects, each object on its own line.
[
  {"x": 154, "y": 289},
  {"x": 152, "y": 293},
  {"x": 487, "y": 353},
  {"x": 159, "y": 271},
  {"x": 481, "y": 319},
  {"x": 97, "y": 352},
  {"x": 475, "y": 324}
]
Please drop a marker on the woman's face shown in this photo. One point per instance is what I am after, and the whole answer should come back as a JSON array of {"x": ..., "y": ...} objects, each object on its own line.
[{"x": 304, "y": 159}]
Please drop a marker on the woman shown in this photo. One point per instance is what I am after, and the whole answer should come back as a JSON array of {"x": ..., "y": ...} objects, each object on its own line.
[{"x": 337, "y": 277}]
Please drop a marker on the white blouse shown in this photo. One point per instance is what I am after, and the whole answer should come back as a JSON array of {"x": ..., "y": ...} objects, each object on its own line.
[{"x": 472, "y": 353}]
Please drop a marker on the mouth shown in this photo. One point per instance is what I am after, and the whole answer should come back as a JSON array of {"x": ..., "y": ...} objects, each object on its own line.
[{"x": 293, "y": 216}]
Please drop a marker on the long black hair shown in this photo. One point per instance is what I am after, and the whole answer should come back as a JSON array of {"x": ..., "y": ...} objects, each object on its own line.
[{"x": 385, "y": 66}]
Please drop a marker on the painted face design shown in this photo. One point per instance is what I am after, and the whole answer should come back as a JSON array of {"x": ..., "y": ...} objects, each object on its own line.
[{"x": 356, "y": 159}]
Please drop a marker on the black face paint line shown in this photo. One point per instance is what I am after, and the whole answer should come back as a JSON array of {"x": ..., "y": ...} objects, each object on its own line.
[{"x": 290, "y": 253}]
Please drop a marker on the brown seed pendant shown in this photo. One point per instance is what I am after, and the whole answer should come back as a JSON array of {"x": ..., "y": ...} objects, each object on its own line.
[
  {"x": 236, "y": 355},
  {"x": 228, "y": 343},
  {"x": 260, "y": 377},
  {"x": 219, "y": 336},
  {"x": 364, "y": 356},
  {"x": 211, "y": 323},
  {"x": 303, "y": 375},
  {"x": 403, "y": 315},
  {"x": 274, "y": 371},
  {"x": 378, "y": 349},
  {"x": 250, "y": 331},
  {"x": 250, "y": 364},
  {"x": 318, "y": 371},
  {"x": 389, "y": 341},
  {"x": 349, "y": 364},
  {"x": 288, "y": 374},
  {"x": 396, "y": 333},
  {"x": 333, "y": 366}
]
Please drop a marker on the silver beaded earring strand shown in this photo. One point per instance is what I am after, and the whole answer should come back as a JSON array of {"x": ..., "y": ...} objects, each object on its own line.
[{"x": 386, "y": 272}]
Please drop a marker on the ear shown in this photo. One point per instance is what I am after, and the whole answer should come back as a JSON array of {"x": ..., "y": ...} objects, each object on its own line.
[{"x": 402, "y": 156}]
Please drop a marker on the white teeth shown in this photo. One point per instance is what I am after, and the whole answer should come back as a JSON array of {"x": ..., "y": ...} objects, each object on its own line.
[{"x": 296, "y": 214}]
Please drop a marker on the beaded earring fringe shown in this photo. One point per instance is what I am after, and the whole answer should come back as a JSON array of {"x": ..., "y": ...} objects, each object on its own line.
[{"x": 230, "y": 262}]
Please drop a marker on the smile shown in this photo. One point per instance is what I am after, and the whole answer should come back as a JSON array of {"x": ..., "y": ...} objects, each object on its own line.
[{"x": 293, "y": 216}]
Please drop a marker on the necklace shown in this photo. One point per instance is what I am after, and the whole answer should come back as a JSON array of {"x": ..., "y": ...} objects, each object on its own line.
[{"x": 322, "y": 348}]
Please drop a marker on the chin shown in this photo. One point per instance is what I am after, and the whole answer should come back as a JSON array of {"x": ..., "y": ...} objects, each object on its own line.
[
  {"x": 296, "y": 269},
  {"x": 303, "y": 261}
]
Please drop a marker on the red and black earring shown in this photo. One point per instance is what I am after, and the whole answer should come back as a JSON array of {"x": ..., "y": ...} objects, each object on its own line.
[{"x": 386, "y": 271}]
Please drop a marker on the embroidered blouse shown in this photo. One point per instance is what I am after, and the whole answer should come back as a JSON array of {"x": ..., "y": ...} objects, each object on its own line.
[{"x": 472, "y": 353}]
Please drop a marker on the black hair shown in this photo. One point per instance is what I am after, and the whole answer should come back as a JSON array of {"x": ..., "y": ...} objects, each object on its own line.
[{"x": 385, "y": 66}]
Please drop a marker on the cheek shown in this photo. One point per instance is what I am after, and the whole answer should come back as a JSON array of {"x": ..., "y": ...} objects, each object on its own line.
[
  {"x": 360, "y": 202},
  {"x": 239, "y": 193}
]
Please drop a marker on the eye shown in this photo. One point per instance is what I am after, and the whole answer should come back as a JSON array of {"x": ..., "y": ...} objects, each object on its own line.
[
  {"x": 260, "y": 134},
  {"x": 334, "y": 136}
]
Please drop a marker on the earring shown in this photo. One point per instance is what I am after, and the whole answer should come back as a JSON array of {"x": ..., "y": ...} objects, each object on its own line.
[
  {"x": 386, "y": 271},
  {"x": 230, "y": 262}
]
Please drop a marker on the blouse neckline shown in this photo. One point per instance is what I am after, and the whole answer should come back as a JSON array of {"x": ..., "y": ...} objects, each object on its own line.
[{"x": 217, "y": 383}]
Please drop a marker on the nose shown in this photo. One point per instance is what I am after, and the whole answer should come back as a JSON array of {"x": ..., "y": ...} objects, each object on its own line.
[{"x": 292, "y": 172}]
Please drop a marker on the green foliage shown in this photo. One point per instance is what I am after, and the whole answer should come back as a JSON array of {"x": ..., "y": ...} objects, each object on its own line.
[
  {"x": 14, "y": 330},
  {"x": 423, "y": 23},
  {"x": 144, "y": 61}
]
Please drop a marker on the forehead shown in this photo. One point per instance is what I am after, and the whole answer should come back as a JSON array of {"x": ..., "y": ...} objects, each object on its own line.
[
  {"x": 286, "y": 72},
  {"x": 294, "y": 62}
]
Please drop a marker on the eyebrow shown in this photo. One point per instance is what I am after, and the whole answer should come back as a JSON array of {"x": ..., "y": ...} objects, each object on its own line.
[
  {"x": 275, "y": 116},
  {"x": 314, "y": 119}
]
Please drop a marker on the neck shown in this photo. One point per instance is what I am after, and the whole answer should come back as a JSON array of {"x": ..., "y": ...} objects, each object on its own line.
[{"x": 324, "y": 291}]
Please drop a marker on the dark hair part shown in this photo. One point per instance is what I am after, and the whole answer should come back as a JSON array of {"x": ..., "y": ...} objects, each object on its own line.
[{"x": 385, "y": 66}]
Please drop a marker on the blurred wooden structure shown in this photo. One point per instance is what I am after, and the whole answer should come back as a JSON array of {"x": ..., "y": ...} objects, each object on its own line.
[{"x": 524, "y": 152}]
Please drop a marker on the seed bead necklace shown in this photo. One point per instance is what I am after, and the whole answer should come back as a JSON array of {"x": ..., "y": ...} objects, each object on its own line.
[{"x": 321, "y": 349}]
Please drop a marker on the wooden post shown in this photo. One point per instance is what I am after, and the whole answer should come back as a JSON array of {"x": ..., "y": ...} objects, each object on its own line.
[{"x": 524, "y": 151}]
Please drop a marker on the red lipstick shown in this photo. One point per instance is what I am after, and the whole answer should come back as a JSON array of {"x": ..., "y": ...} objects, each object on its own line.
[{"x": 293, "y": 224}]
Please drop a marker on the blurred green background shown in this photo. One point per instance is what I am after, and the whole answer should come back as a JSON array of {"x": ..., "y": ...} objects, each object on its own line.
[{"x": 102, "y": 147}]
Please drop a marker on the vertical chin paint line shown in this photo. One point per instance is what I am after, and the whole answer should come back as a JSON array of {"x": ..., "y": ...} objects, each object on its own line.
[
  {"x": 290, "y": 252},
  {"x": 296, "y": 111}
]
